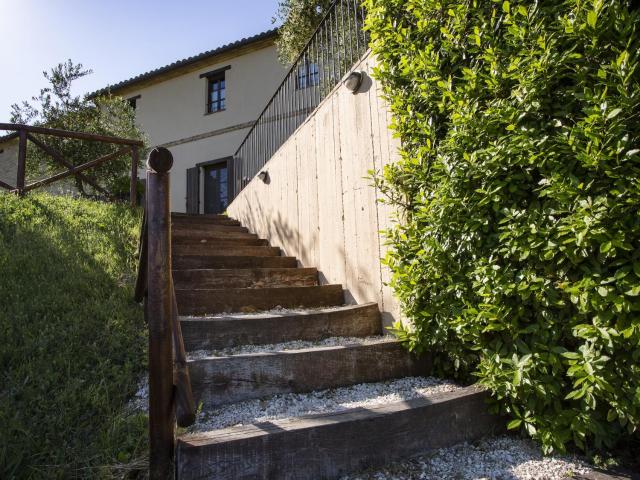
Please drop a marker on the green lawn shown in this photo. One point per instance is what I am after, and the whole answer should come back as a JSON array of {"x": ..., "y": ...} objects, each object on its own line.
[{"x": 73, "y": 340}]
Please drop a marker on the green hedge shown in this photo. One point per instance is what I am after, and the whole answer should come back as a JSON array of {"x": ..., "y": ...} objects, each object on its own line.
[{"x": 517, "y": 258}]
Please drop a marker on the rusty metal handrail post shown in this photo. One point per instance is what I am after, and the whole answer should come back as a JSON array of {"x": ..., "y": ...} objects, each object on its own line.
[{"x": 158, "y": 311}]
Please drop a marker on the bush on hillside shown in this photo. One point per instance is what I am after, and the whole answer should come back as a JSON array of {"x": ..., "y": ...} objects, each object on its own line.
[
  {"x": 517, "y": 256},
  {"x": 73, "y": 340}
]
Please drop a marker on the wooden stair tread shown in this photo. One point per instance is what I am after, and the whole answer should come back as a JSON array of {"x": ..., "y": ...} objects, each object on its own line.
[
  {"x": 245, "y": 278},
  {"x": 226, "y": 250},
  {"x": 213, "y": 233},
  {"x": 204, "y": 301},
  {"x": 203, "y": 219},
  {"x": 333, "y": 444},
  {"x": 217, "y": 242},
  {"x": 181, "y": 262},
  {"x": 220, "y": 332},
  {"x": 187, "y": 228},
  {"x": 220, "y": 380}
]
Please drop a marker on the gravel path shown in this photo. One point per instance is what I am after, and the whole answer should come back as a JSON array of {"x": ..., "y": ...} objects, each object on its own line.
[
  {"x": 497, "y": 458},
  {"x": 323, "y": 401},
  {"x": 294, "y": 345}
]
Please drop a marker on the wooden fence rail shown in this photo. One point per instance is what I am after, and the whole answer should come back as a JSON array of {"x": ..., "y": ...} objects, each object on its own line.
[
  {"x": 170, "y": 394},
  {"x": 25, "y": 134}
]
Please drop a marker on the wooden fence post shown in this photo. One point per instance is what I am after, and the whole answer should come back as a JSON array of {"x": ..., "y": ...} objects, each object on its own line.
[
  {"x": 133, "y": 189},
  {"x": 159, "y": 311},
  {"x": 22, "y": 161}
]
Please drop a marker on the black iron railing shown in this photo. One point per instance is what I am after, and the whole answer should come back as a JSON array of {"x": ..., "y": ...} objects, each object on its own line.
[{"x": 338, "y": 42}]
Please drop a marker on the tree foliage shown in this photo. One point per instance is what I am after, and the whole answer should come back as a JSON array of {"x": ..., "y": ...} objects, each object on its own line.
[
  {"x": 517, "y": 259},
  {"x": 299, "y": 20},
  {"x": 57, "y": 107}
]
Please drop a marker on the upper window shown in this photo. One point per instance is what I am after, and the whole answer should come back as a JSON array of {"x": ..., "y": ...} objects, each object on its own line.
[
  {"x": 215, "y": 93},
  {"x": 307, "y": 75},
  {"x": 133, "y": 101}
]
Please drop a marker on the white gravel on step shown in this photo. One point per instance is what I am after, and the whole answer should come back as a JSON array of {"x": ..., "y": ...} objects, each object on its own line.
[
  {"x": 276, "y": 311},
  {"x": 286, "y": 346},
  {"x": 496, "y": 458},
  {"x": 288, "y": 405}
]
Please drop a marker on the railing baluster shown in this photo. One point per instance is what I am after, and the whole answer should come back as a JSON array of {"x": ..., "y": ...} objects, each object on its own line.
[{"x": 355, "y": 23}]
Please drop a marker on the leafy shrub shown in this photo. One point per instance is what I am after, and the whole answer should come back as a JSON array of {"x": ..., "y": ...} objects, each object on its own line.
[
  {"x": 73, "y": 340},
  {"x": 517, "y": 258}
]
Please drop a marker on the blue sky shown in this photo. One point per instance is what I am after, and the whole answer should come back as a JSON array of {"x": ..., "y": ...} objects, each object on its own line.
[{"x": 117, "y": 39}]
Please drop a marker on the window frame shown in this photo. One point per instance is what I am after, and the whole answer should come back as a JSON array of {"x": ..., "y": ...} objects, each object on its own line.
[
  {"x": 133, "y": 101},
  {"x": 215, "y": 76},
  {"x": 305, "y": 73}
]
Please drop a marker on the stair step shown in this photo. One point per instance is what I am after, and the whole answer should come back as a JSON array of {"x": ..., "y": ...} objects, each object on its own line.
[
  {"x": 248, "y": 241},
  {"x": 204, "y": 219},
  {"x": 181, "y": 262},
  {"x": 208, "y": 301},
  {"x": 197, "y": 236},
  {"x": 224, "y": 249},
  {"x": 245, "y": 278},
  {"x": 330, "y": 400},
  {"x": 258, "y": 329},
  {"x": 327, "y": 446},
  {"x": 198, "y": 228},
  {"x": 199, "y": 215},
  {"x": 220, "y": 380}
]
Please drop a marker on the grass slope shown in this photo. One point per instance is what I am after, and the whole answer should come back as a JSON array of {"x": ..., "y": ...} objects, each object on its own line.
[{"x": 73, "y": 341}]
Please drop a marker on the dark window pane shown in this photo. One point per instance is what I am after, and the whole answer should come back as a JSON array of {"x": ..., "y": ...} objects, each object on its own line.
[
  {"x": 307, "y": 75},
  {"x": 216, "y": 89}
]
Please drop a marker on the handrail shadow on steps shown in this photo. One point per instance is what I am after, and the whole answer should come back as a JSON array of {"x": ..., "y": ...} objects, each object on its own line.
[{"x": 170, "y": 394}]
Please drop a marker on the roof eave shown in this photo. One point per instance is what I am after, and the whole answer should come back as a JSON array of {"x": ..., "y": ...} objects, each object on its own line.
[{"x": 185, "y": 63}]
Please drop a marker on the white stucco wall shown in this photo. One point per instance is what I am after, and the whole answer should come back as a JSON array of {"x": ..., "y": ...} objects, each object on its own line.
[
  {"x": 319, "y": 206},
  {"x": 171, "y": 111}
]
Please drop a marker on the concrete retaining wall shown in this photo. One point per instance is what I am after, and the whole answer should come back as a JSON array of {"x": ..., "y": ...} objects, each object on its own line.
[{"x": 318, "y": 205}]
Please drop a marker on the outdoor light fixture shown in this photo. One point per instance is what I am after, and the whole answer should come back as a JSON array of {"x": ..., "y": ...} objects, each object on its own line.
[
  {"x": 264, "y": 176},
  {"x": 354, "y": 81}
]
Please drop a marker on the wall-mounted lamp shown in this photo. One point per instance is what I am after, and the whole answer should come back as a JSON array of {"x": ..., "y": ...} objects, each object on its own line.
[
  {"x": 264, "y": 176},
  {"x": 354, "y": 81}
]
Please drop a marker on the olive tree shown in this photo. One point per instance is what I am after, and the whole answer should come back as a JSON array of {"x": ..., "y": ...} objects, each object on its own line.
[{"x": 57, "y": 107}]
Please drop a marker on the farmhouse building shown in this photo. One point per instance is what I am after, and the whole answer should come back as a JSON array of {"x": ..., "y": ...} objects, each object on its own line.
[{"x": 201, "y": 108}]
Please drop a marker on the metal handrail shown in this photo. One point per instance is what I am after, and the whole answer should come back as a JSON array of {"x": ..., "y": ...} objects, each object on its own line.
[{"x": 336, "y": 44}]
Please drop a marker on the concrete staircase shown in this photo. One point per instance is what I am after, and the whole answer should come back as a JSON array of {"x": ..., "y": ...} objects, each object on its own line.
[{"x": 221, "y": 269}]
